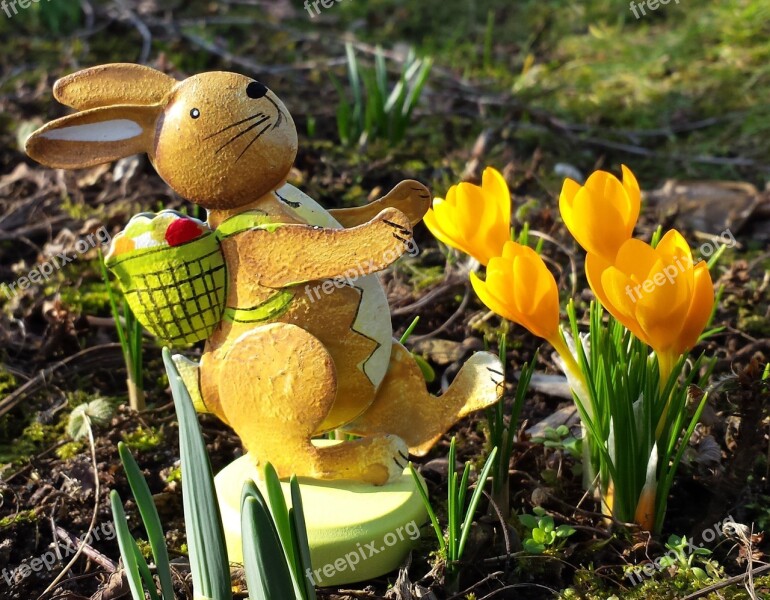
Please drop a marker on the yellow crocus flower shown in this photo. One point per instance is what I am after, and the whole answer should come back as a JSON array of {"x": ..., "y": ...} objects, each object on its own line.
[
  {"x": 601, "y": 215},
  {"x": 475, "y": 220},
  {"x": 657, "y": 293},
  {"x": 520, "y": 288}
]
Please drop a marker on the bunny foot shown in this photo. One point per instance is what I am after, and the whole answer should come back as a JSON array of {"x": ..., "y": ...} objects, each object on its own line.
[{"x": 403, "y": 406}]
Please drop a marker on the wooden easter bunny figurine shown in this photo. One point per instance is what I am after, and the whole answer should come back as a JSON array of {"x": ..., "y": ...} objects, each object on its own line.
[{"x": 298, "y": 331}]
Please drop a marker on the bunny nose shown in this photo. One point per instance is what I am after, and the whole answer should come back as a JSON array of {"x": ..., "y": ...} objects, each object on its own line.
[{"x": 255, "y": 90}]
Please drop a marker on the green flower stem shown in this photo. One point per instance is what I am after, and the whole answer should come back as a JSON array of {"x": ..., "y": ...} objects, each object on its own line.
[{"x": 577, "y": 383}]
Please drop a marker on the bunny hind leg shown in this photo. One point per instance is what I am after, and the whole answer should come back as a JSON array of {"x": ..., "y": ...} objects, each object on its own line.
[
  {"x": 277, "y": 384},
  {"x": 404, "y": 407}
]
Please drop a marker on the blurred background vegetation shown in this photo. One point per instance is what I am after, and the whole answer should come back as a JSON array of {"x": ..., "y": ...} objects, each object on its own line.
[{"x": 683, "y": 91}]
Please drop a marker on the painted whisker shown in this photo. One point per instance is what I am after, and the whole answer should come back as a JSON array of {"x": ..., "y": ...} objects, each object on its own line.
[
  {"x": 254, "y": 116},
  {"x": 256, "y": 137},
  {"x": 245, "y": 131}
]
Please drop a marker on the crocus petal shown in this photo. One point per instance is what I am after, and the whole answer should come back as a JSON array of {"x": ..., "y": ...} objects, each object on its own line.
[
  {"x": 620, "y": 297},
  {"x": 469, "y": 199},
  {"x": 496, "y": 189},
  {"x": 597, "y": 181},
  {"x": 599, "y": 224},
  {"x": 700, "y": 309},
  {"x": 596, "y": 266},
  {"x": 440, "y": 220},
  {"x": 636, "y": 259},
  {"x": 569, "y": 190},
  {"x": 634, "y": 195},
  {"x": 474, "y": 219},
  {"x": 490, "y": 300},
  {"x": 662, "y": 310},
  {"x": 673, "y": 245},
  {"x": 601, "y": 215},
  {"x": 500, "y": 282},
  {"x": 535, "y": 294}
]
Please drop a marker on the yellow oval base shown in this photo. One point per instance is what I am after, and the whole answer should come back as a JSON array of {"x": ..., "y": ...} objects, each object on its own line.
[{"x": 356, "y": 531}]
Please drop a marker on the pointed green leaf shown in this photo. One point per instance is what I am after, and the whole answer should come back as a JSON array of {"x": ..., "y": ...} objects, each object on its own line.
[
  {"x": 125, "y": 544},
  {"x": 267, "y": 573},
  {"x": 205, "y": 536},
  {"x": 300, "y": 534},
  {"x": 150, "y": 518}
]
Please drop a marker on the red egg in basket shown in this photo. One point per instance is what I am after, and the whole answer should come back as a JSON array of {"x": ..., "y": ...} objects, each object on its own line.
[{"x": 181, "y": 231}]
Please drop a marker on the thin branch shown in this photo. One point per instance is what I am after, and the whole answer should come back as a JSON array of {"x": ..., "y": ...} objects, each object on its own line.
[
  {"x": 97, "y": 494},
  {"x": 726, "y": 583},
  {"x": 85, "y": 360}
]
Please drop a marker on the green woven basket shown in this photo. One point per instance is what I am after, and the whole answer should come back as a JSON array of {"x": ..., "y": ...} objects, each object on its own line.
[{"x": 177, "y": 292}]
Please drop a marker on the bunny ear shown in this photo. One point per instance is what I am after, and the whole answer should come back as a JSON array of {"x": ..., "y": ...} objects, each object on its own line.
[
  {"x": 94, "y": 136},
  {"x": 108, "y": 85}
]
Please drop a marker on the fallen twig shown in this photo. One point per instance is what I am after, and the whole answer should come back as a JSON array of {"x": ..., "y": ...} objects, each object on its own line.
[
  {"x": 105, "y": 355},
  {"x": 727, "y": 582},
  {"x": 91, "y": 525}
]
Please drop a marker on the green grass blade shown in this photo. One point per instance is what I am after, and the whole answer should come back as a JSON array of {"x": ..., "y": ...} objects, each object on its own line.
[
  {"x": 135, "y": 336},
  {"x": 714, "y": 309},
  {"x": 129, "y": 332},
  {"x": 344, "y": 124},
  {"x": 429, "y": 508},
  {"x": 374, "y": 120},
  {"x": 280, "y": 514},
  {"x": 354, "y": 77},
  {"x": 295, "y": 570},
  {"x": 114, "y": 307},
  {"x": 150, "y": 518},
  {"x": 205, "y": 537},
  {"x": 466, "y": 527},
  {"x": 125, "y": 544},
  {"x": 662, "y": 492},
  {"x": 303, "y": 544},
  {"x": 452, "y": 503},
  {"x": 416, "y": 87},
  {"x": 344, "y": 112},
  {"x": 267, "y": 573},
  {"x": 250, "y": 490},
  {"x": 521, "y": 394},
  {"x": 381, "y": 73},
  {"x": 716, "y": 256},
  {"x": 396, "y": 97},
  {"x": 427, "y": 371},
  {"x": 463, "y": 489},
  {"x": 409, "y": 330},
  {"x": 144, "y": 572},
  {"x": 488, "y": 38}
]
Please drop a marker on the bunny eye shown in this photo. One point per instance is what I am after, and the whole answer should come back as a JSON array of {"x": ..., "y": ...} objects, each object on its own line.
[
  {"x": 256, "y": 90},
  {"x": 195, "y": 113}
]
